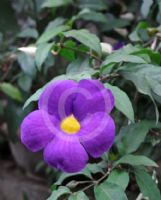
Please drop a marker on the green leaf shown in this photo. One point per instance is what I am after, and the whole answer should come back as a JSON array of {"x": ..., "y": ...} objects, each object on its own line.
[
  {"x": 112, "y": 22},
  {"x": 33, "y": 97},
  {"x": 122, "y": 101},
  {"x": 95, "y": 167},
  {"x": 25, "y": 82},
  {"x": 120, "y": 56},
  {"x": 135, "y": 133},
  {"x": 154, "y": 85},
  {"x": 86, "y": 38},
  {"x": 51, "y": 33},
  {"x": 55, "y": 23},
  {"x": 59, "y": 192},
  {"x": 89, "y": 15},
  {"x": 28, "y": 33},
  {"x": 142, "y": 75},
  {"x": 145, "y": 8},
  {"x": 41, "y": 53},
  {"x": 146, "y": 78},
  {"x": 147, "y": 186},
  {"x": 80, "y": 69},
  {"x": 55, "y": 3},
  {"x": 137, "y": 35},
  {"x": 120, "y": 178},
  {"x": 79, "y": 65},
  {"x": 67, "y": 52},
  {"x": 153, "y": 55},
  {"x": 109, "y": 191},
  {"x": 11, "y": 91},
  {"x": 92, "y": 4},
  {"x": 27, "y": 64},
  {"x": 135, "y": 160},
  {"x": 159, "y": 13},
  {"x": 78, "y": 196}
]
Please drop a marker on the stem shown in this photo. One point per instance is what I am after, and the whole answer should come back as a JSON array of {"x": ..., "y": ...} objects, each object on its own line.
[
  {"x": 81, "y": 51},
  {"x": 113, "y": 75},
  {"x": 99, "y": 180},
  {"x": 84, "y": 182}
]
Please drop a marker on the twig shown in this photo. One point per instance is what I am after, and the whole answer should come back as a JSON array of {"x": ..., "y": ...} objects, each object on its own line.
[
  {"x": 96, "y": 182},
  {"x": 113, "y": 75}
]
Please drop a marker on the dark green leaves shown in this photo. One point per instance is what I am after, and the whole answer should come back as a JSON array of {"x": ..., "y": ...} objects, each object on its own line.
[
  {"x": 78, "y": 196},
  {"x": 122, "y": 101},
  {"x": 147, "y": 186},
  {"x": 51, "y": 33},
  {"x": 92, "y": 4},
  {"x": 55, "y": 3},
  {"x": 140, "y": 32},
  {"x": 135, "y": 160},
  {"x": 112, "y": 23},
  {"x": 42, "y": 53},
  {"x": 79, "y": 65},
  {"x": 27, "y": 64},
  {"x": 153, "y": 56},
  {"x": 120, "y": 178},
  {"x": 11, "y": 91},
  {"x": 109, "y": 191},
  {"x": 85, "y": 37},
  {"x": 122, "y": 56},
  {"x": 145, "y": 8},
  {"x": 25, "y": 82},
  {"x": 68, "y": 51},
  {"x": 147, "y": 78},
  {"x": 58, "y": 193},
  {"x": 135, "y": 133},
  {"x": 28, "y": 33},
  {"x": 89, "y": 15}
]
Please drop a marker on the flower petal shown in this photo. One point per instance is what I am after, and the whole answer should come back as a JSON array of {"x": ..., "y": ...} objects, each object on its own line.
[
  {"x": 37, "y": 130},
  {"x": 92, "y": 97},
  {"x": 66, "y": 154},
  {"x": 97, "y": 133},
  {"x": 57, "y": 99}
]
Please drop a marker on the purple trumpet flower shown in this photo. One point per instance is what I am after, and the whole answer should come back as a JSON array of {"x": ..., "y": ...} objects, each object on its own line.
[{"x": 71, "y": 123}]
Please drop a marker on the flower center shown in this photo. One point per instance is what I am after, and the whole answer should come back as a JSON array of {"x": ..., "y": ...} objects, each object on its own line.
[{"x": 70, "y": 125}]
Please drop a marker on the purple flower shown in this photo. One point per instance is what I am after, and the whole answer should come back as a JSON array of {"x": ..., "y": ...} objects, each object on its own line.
[
  {"x": 118, "y": 46},
  {"x": 72, "y": 122}
]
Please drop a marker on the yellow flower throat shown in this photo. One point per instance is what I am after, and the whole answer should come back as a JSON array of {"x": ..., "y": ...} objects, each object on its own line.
[{"x": 70, "y": 125}]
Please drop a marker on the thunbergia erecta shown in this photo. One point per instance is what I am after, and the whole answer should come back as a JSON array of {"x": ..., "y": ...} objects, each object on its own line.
[{"x": 72, "y": 123}]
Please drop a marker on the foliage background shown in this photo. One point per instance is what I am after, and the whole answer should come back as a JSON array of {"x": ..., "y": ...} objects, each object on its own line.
[{"x": 67, "y": 35}]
